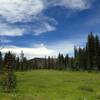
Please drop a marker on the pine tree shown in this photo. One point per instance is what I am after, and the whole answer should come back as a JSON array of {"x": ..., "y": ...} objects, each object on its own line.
[
  {"x": 82, "y": 59},
  {"x": 97, "y": 53},
  {"x": 76, "y": 58},
  {"x": 9, "y": 79},
  {"x": 66, "y": 61},
  {"x": 21, "y": 61},
  {"x": 25, "y": 64},
  {"x": 17, "y": 64},
  {"x": 52, "y": 63},
  {"x": 61, "y": 63},
  {"x": 71, "y": 64},
  {"x": 45, "y": 63},
  {"x": 90, "y": 51},
  {"x": 49, "y": 62}
]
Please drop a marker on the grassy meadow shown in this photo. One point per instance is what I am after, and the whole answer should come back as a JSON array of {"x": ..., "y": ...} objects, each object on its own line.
[{"x": 55, "y": 85}]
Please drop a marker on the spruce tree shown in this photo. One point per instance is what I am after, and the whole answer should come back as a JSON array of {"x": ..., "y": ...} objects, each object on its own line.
[
  {"x": 61, "y": 61},
  {"x": 9, "y": 78},
  {"x": 90, "y": 47},
  {"x": 76, "y": 58},
  {"x": 17, "y": 64},
  {"x": 66, "y": 61},
  {"x": 52, "y": 63},
  {"x": 45, "y": 63},
  {"x": 97, "y": 53},
  {"x": 25, "y": 64},
  {"x": 49, "y": 62}
]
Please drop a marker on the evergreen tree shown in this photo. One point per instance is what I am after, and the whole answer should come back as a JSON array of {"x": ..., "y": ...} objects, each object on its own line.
[
  {"x": 90, "y": 51},
  {"x": 17, "y": 64},
  {"x": 61, "y": 61},
  {"x": 52, "y": 63},
  {"x": 45, "y": 63},
  {"x": 71, "y": 64},
  {"x": 66, "y": 61},
  {"x": 25, "y": 64},
  {"x": 82, "y": 61},
  {"x": 97, "y": 53},
  {"x": 76, "y": 58},
  {"x": 21, "y": 61},
  {"x": 9, "y": 79},
  {"x": 49, "y": 62}
]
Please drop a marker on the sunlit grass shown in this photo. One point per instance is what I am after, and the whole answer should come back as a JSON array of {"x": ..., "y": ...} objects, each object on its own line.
[{"x": 55, "y": 85}]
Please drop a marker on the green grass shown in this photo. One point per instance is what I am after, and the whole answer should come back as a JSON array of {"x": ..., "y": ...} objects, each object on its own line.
[{"x": 55, "y": 85}]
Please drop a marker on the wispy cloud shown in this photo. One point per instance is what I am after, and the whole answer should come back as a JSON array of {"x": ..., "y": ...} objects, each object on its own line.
[
  {"x": 18, "y": 10},
  {"x": 8, "y": 30},
  {"x": 13, "y": 11},
  {"x": 45, "y": 27},
  {"x": 70, "y": 4}
]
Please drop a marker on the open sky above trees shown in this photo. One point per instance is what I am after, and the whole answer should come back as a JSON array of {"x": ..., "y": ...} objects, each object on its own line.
[{"x": 47, "y": 27}]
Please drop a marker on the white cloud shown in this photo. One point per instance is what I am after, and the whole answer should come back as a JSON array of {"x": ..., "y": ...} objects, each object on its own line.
[
  {"x": 70, "y": 4},
  {"x": 18, "y": 10},
  {"x": 29, "y": 52},
  {"x": 41, "y": 50},
  {"x": 28, "y": 11},
  {"x": 76, "y": 4},
  {"x": 44, "y": 27},
  {"x": 8, "y": 30}
]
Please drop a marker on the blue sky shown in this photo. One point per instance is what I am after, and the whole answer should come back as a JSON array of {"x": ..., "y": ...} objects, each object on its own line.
[{"x": 47, "y": 27}]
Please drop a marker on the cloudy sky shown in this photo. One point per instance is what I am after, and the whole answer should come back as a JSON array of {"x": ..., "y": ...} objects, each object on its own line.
[{"x": 47, "y": 27}]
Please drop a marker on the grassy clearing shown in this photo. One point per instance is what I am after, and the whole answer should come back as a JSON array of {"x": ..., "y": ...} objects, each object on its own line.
[{"x": 55, "y": 85}]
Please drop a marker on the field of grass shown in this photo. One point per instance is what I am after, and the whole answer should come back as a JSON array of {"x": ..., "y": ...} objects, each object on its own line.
[{"x": 55, "y": 85}]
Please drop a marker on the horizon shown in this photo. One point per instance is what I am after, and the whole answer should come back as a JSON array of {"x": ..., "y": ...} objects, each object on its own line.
[{"x": 44, "y": 28}]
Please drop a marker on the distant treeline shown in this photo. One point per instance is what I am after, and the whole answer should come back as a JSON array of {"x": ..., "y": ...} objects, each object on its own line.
[{"x": 85, "y": 59}]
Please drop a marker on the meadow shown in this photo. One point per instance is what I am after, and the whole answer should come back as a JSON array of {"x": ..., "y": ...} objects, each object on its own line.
[{"x": 55, "y": 85}]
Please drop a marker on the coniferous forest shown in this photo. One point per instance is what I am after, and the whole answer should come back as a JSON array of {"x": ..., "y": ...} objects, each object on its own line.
[{"x": 85, "y": 59}]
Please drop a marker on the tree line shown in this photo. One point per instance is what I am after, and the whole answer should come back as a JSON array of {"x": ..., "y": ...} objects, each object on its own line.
[{"x": 87, "y": 58}]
